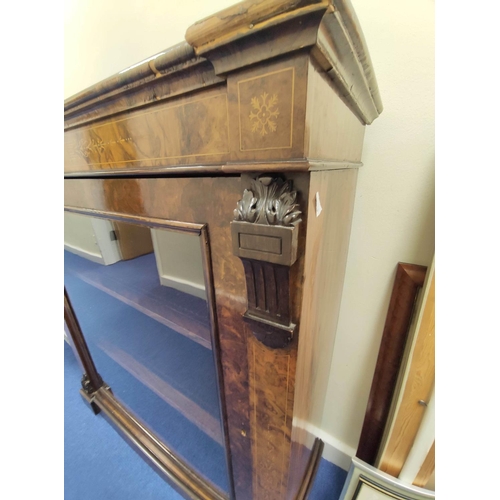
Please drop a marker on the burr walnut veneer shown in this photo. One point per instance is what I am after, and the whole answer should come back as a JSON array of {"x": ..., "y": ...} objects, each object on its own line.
[{"x": 249, "y": 135}]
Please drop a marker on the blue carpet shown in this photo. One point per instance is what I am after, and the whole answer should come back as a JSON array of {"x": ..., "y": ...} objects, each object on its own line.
[
  {"x": 100, "y": 465},
  {"x": 329, "y": 482}
]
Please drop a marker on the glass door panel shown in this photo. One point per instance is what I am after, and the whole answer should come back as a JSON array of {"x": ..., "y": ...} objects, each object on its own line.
[{"x": 139, "y": 295}]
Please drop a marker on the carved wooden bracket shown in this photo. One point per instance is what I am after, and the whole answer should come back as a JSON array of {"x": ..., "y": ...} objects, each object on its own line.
[{"x": 265, "y": 235}]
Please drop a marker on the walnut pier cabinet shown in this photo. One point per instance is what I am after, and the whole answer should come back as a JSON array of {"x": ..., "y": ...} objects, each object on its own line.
[{"x": 247, "y": 139}]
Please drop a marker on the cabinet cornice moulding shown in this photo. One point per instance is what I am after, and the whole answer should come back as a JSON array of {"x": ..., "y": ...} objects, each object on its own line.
[
  {"x": 247, "y": 33},
  {"x": 330, "y": 27}
]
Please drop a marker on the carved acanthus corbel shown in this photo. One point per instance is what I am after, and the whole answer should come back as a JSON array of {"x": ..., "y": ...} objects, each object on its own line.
[{"x": 265, "y": 236}]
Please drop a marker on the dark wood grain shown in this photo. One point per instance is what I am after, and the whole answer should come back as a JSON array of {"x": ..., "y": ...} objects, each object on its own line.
[
  {"x": 409, "y": 280},
  {"x": 168, "y": 134},
  {"x": 144, "y": 88}
]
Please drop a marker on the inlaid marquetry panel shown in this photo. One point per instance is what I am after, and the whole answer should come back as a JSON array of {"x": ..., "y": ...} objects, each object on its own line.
[
  {"x": 267, "y": 111},
  {"x": 185, "y": 131}
]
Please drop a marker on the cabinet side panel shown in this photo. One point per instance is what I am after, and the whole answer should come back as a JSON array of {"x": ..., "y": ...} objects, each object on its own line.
[
  {"x": 331, "y": 204},
  {"x": 333, "y": 132}
]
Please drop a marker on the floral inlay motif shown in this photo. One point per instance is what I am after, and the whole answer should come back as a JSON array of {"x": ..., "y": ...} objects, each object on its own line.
[
  {"x": 264, "y": 114},
  {"x": 89, "y": 146}
]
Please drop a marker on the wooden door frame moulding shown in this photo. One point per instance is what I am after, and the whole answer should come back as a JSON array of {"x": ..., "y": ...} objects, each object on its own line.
[
  {"x": 311, "y": 470},
  {"x": 224, "y": 168},
  {"x": 216, "y": 350},
  {"x": 152, "y": 222},
  {"x": 408, "y": 282},
  {"x": 177, "y": 473},
  {"x": 91, "y": 380}
]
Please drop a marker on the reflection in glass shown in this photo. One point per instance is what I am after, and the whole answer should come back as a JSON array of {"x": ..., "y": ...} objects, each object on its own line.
[{"x": 139, "y": 295}]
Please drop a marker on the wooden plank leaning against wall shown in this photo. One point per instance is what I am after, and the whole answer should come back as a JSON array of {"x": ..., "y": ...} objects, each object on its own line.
[{"x": 416, "y": 388}]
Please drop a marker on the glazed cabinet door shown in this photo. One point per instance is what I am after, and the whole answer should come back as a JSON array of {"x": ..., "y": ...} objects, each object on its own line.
[{"x": 141, "y": 290}]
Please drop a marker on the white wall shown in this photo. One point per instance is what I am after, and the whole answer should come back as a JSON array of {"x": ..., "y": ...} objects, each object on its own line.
[
  {"x": 103, "y": 37},
  {"x": 179, "y": 261},
  {"x": 79, "y": 236},
  {"x": 394, "y": 210}
]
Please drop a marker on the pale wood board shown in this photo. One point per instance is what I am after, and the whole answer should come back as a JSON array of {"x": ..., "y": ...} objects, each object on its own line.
[
  {"x": 427, "y": 468},
  {"x": 417, "y": 385},
  {"x": 325, "y": 263}
]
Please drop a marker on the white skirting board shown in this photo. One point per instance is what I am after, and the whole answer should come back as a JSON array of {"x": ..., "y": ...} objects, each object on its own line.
[
  {"x": 184, "y": 286},
  {"x": 84, "y": 253},
  {"x": 334, "y": 451}
]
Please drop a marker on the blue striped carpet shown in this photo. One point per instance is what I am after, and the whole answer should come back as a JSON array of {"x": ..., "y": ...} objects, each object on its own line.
[{"x": 99, "y": 464}]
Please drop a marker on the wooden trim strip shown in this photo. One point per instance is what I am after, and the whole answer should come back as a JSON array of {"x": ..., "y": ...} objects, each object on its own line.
[
  {"x": 301, "y": 165},
  {"x": 191, "y": 227},
  {"x": 171, "y": 57},
  {"x": 311, "y": 470},
  {"x": 409, "y": 280},
  {"x": 175, "y": 471},
  {"x": 316, "y": 165},
  {"x": 81, "y": 345},
  {"x": 344, "y": 56},
  {"x": 350, "y": 20},
  {"x": 216, "y": 350},
  {"x": 246, "y": 18},
  {"x": 148, "y": 171}
]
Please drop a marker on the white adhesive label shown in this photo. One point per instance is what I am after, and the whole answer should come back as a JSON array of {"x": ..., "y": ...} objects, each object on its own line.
[{"x": 319, "y": 208}]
